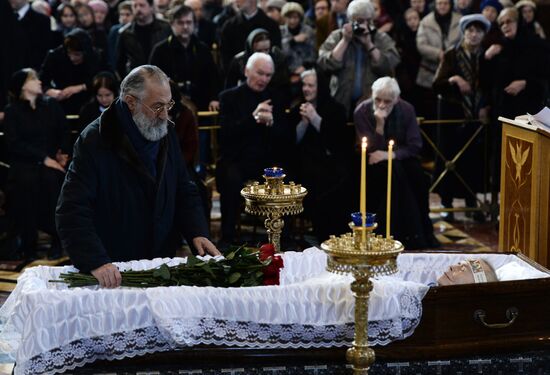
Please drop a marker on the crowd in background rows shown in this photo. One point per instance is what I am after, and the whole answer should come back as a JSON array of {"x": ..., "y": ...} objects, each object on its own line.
[
  {"x": 81, "y": 49},
  {"x": 69, "y": 42}
]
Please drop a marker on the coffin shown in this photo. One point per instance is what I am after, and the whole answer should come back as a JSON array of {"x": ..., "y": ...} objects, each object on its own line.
[
  {"x": 50, "y": 329},
  {"x": 452, "y": 324}
]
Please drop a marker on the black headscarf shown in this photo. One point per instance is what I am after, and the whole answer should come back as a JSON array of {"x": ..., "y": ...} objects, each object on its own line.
[{"x": 444, "y": 21}]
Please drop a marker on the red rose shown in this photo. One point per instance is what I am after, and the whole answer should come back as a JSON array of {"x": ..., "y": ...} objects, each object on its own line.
[
  {"x": 266, "y": 250},
  {"x": 271, "y": 280},
  {"x": 273, "y": 270}
]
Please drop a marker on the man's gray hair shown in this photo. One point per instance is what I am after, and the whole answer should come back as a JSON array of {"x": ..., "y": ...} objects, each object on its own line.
[
  {"x": 134, "y": 83},
  {"x": 360, "y": 9},
  {"x": 259, "y": 56},
  {"x": 386, "y": 84}
]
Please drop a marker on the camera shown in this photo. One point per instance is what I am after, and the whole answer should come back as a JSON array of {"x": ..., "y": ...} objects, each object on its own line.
[{"x": 357, "y": 28}]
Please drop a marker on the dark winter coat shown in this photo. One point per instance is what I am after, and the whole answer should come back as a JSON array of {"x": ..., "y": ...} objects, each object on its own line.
[
  {"x": 235, "y": 31},
  {"x": 59, "y": 72},
  {"x": 112, "y": 209},
  {"x": 130, "y": 53}
]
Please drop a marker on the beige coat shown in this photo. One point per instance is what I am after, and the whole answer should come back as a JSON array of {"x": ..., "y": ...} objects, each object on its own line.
[
  {"x": 430, "y": 42},
  {"x": 343, "y": 72}
]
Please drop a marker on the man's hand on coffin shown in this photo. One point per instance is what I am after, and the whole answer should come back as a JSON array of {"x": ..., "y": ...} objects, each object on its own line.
[
  {"x": 108, "y": 276},
  {"x": 204, "y": 246}
]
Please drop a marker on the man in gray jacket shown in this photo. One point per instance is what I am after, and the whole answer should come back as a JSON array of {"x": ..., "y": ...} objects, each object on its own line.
[{"x": 356, "y": 55}]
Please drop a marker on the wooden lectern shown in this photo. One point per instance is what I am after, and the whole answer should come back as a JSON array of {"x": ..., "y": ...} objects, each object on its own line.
[{"x": 525, "y": 190}]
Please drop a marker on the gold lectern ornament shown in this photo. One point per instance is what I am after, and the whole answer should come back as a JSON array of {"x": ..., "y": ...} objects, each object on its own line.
[{"x": 274, "y": 199}]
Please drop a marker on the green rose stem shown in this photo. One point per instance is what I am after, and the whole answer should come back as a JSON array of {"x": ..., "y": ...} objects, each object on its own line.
[{"x": 241, "y": 267}]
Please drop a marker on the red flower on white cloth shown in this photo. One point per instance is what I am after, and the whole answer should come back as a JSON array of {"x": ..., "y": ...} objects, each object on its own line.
[{"x": 273, "y": 270}]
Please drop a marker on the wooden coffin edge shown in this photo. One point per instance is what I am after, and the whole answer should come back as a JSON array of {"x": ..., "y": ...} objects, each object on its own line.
[{"x": 425, "y": 343}]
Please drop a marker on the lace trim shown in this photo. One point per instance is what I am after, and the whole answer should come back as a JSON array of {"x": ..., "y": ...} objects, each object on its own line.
[
  {"x": 208, "y": 331},
  {"x": 81, "y": 352}
]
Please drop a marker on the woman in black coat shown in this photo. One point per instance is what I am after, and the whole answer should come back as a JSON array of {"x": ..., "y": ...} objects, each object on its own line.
[
  {"x": 322, "y": 155},
  {"x": 37, "y": 140},
  {"x": 68, "y": 71},
  {"x": 519, "y": 74},
  {"x": 259, "y": 41},
  {"x": 104, "y": 90}
]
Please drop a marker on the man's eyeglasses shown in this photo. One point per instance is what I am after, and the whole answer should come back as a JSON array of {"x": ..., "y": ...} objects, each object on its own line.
[{"x": 158, "y": 108}]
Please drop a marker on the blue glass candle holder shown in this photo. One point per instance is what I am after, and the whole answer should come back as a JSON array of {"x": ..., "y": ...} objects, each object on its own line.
[
  {"x": 357, "y": 219},
  {"x": 274, "y": 172}
]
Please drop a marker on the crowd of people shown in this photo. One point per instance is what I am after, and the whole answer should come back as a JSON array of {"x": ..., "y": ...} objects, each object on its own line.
[{"x": 286, "y": 78}]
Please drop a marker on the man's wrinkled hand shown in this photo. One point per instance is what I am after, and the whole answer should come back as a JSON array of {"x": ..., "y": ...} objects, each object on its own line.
[
  {"x": 51, "y": 163},
  {"x": 108, "y": 276},
  {"x": 214, "y": 106},
  {"x": 377, "y": 156},
  {"x": 204, "y": 246},
  {"x": 347, "y": 32},
  {"x": 62, "y": 158},
  {"x": 263, "y": 114}
]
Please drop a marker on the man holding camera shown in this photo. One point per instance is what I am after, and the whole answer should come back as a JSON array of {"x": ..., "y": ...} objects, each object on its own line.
[{"x": 356, "y": 55}]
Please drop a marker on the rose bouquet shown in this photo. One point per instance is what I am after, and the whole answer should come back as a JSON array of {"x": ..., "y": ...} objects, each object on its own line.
[{"x": 241, "y": 267}]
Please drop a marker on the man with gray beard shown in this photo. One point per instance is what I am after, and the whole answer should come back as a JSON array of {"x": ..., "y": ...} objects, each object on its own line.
[{"x": 127, "y": 194}]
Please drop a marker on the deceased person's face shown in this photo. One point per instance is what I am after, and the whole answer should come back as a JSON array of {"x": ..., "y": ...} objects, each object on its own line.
[{"x": 468, "y": 272}]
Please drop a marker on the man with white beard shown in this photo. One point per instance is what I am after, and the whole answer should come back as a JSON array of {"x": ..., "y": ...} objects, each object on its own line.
[{"x": 127, "y": 194}]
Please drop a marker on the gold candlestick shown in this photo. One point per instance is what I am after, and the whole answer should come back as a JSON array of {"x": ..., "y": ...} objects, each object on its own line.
[
  {"x": 274, "y": 199},
  {"x": 349, "y": 254}
]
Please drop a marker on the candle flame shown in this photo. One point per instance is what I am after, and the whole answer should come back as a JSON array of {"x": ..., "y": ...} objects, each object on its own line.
[
  {"x": 364, "y": 142},
  {"x": 391, "y": 142}
]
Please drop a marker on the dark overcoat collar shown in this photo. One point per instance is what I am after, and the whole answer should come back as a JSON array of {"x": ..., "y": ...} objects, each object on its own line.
[{"x": 113, "y": 137}]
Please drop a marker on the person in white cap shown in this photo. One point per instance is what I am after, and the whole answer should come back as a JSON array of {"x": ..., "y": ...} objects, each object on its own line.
[
  {"x": 527, "y": 9},
  {"x": 461, "y": 80}
]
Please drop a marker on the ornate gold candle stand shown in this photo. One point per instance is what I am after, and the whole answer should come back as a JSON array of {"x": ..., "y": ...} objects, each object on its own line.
[
  {"x": 274, "y": 199},
  {"x": 362, "y": 254}
]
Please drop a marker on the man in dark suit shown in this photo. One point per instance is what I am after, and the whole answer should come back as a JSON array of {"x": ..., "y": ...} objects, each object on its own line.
[
  {"x": 188, "y": 61},
  {"x": 254, "y": 132},
  {"x": 137, "y": 39},
  {"x": 235, "y": 30},
  {"x": 204, "y": 29},
  {"x": 127, "y": 194},
  {"x": 25, "y": 39}
]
